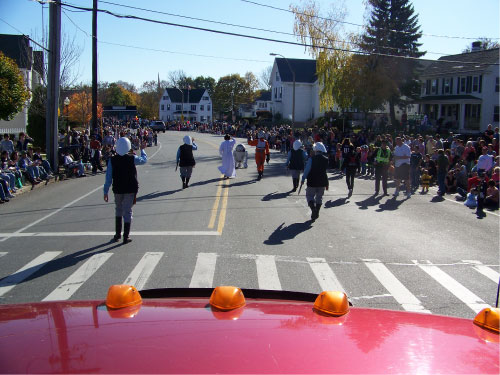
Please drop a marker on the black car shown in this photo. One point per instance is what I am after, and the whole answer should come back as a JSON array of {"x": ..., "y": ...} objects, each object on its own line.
[{"x": 158, "y": 126}]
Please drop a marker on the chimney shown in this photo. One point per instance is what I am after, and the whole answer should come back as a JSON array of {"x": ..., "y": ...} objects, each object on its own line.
[{"x": 476, "y": 46}]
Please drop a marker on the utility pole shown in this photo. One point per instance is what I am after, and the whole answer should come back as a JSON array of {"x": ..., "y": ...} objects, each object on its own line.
[
  {"x": 52, "y": 142},
  {"x": 94, "y": 67}
]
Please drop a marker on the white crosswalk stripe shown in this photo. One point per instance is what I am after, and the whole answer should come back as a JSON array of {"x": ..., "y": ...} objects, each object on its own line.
[
  {"x": 76, "y": 280},
  {"x": 267, "y": 273},
  {"x": 485, "y": 270},
  {"x": 400, "y": 293},
  {"x": 29, "y": 269},
  {"x": 453, "y": 286},
  {"x": 324, "y": 274},
  {"x": 2, "y": 253},
  {"x": 203, "y": 275},
  {"x": 141, "y": 273}
]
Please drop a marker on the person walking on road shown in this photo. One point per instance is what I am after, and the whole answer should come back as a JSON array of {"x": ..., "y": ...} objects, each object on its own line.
[
  {"x": 350, "y": 164},
  {"x": 295, "y": 162},
  {"x": 381, "y": 162},
  {"x": 226, "y": 151},
  {"x": 317, "y": 180},
  {"x": 261, "y": 153},
  {"x": 122, "y": 174},
  {"x": 402, "y": 154},
  {"x": 185, "y": 159}
]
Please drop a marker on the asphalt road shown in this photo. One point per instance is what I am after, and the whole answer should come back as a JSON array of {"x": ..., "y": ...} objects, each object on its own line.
[{"x": 419, "y": 254}]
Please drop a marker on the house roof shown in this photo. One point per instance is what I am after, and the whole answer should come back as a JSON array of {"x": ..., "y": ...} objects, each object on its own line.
[
  {"x": 452, "y": 64},
  {"x": 265, "y": 96},
  {"x": 195, "y": 95},
  {"x": 17, "y": 48},
  {"x": 305, "y": 70}
]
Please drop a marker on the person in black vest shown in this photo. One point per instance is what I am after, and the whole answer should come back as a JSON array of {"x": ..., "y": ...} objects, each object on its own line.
[
  {"x": 295, "y": 162},
  {"x": 185, "y": 159},
  {"x": 350, "y": 164},
  {"x": 317, "y": 180},
  {"x": 121, "y": 172}
]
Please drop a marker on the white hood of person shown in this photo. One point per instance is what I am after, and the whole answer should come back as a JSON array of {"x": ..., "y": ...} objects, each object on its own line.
[
  {"x": 187, "y": 140},
  {"x": 318, "y": 146},
  {"x": 297, "y": 144},
  {"x": 123, "y": 146}
]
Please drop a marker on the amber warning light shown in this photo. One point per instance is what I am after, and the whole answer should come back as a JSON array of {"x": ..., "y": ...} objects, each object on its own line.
[
  {"x": 227, "y": 298},
  {"x": 120, "y": 296},
  {"x": 488, "y": 318}
]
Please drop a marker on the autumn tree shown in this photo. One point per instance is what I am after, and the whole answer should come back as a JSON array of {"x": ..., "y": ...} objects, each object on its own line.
[
  {"x": 115, "y": 94},
  {"x": 231, "y": 91},
  {"x": 149, "y": 99},
  {"x": 80, "y": 106},
  {"x": 393, "y": 29},
  {"x": 13, "y": 90},
  {"x": 207, "y": 83}
]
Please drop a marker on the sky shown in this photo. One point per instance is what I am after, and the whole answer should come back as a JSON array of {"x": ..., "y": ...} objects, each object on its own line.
[{"x": 147, "y": 50}]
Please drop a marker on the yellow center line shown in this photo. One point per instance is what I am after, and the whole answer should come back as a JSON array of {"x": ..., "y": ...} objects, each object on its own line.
[
  {"x": 222, "y": 216},
  {"x": 215, "y": 207}
]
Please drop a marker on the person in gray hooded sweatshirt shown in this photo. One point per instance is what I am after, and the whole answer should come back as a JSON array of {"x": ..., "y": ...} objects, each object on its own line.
[
  {"x": 121, "y": 172},
  {"x": 295, "y": 162}
]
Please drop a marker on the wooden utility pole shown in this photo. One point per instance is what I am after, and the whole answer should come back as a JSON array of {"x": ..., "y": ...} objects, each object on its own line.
[
  {"x": 94, "y": 68},
  {"x": 51, "y": 121}
]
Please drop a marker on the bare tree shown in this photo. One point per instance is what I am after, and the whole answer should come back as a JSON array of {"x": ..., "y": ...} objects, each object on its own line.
[
  {"x": 265, "y": 78},
  {"x": 70, "y": 58},
  {"x": 176, "y": 77}
]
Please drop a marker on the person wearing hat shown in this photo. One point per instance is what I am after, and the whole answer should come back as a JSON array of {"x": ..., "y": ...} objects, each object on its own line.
[
  {"x": 295, "y": 162},
  {"x": 122, "y": 174},
  {"x": 317, "y": 180},
  {"x": 185, "y": 159},
  {"x": 261, "y": 152}
]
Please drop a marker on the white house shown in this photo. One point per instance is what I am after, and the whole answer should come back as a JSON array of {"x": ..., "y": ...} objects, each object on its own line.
[
  {"x": 30, "y": 63},
  {"x": 461, "y": 92},
  {"x": 261, "y": 107},
  {"x": 306, "y": 89},
  {"x": 195, "y": 104}
]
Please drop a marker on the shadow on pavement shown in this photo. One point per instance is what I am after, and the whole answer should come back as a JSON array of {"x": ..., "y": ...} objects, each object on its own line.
[
  {"x": 289, "y": 232},
  {"x": 368, "y": 202},
  {"x": 157, "y": 195},
  {"x": 390, "y": 205},
  {"x": 437, "y": 198},
  {"x": 200, "y": 183},
  {"x": 242, "y": 183},
  {"x": 336, "y": 203},
  {"x": 275, "y": 195},
  {"x": 64, "y": 262}
]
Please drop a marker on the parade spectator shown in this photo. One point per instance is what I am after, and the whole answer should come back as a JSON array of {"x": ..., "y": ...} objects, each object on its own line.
[
  {"x": 492, "y": 195},
  {"x": 382, "y": 159},
  {"x": 71, "y": 164},
  {"x": 7, "y": 144},
  {"x": 415, "y": 162},
  {"x": 402, "y": 154},
  {"x": 484, "y": 162},
  {"x": 22, "y": 143},
  {"x": 426, "y": 180}
]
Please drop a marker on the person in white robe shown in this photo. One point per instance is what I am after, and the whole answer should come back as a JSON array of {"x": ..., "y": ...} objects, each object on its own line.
[{"x": 226, "y": 152}]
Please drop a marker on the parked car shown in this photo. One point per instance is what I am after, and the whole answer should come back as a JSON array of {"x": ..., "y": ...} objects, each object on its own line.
[
  {"x": 232, "y": 330},
  {"x": 158, "y": 126}
]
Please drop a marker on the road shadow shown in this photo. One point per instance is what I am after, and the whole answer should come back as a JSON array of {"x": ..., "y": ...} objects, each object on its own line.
[
  {"x": 284, "y": 233},
  {"x": 58, "y": 264},
  {"x": 242, "y": 183},
  {"x": 275, "y": 195},
  {"x": 157, "y": 195},
  {"x": 336, "y": 177},
  {"x": 201, "y": 183},
  {"x": 437, "y": 199},
  {"x": 368, "y": 202},
  {"x": 336, "y": 203},
  {"x": 390, "y": 205}
]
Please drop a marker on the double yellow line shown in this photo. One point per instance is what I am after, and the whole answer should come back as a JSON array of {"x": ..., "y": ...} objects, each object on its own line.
[{"x": 215, "y": 207}]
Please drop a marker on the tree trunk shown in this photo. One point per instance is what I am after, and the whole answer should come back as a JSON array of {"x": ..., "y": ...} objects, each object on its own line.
[{"x": 392, "y": 114}]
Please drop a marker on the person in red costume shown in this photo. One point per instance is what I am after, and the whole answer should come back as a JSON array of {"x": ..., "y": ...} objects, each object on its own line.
[{"x": 261, "y": 153}]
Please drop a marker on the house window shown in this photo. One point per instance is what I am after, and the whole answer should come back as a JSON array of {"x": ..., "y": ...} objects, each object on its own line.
[
  {"x": 447, "y": 85},
  {"x": 177, "y": 107},
  {"x": 277, "y": 76},
  {"x": 434, "y": 84},
  {"x": 168, "y": 107},
  {"x": 202, "y": 118},
  {"x": 208, "y": 118},
  {"x": 206, "y": 98},
  {"x": 281, "y": 92},
  {"x": 496, "y": 85},
  {"x": 168, "y": 118},
  {"x": 462, "y": 84},
  {"x": 475, "y": 84},
  {"x": 193, "y": 107},
  {"x": 427, "y": 87},
  {"x": 495, "y": 113},
  {"x": 472, "y": 116},
  {"x": 208, "y": 108},
  {"x": 162, "y": 107},
  {"x": 275, "y": 93},
  {"x": 202, "y": 107}
]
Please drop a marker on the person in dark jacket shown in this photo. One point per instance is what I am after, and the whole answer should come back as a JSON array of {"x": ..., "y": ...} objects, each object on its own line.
[
  {"x": 185, "y": 159},
  {"x": 295, "y": 162},
  {"x": 317, "y": 180},
  {"x": 121, "y": 172},
  {"x": 350, "y": 164}
]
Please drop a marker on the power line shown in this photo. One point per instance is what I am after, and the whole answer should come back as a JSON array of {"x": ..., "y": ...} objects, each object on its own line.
[
  {"x": 264, "y": 39},
  {"x": 357, "y": 24},
  {"x": 247, "y": 27},
  {"x": 161, "y": 50},
  {"x": 26, "y": 36}
]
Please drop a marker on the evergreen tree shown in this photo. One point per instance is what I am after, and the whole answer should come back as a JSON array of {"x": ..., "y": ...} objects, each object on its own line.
[{"x": 393, "y": 30}]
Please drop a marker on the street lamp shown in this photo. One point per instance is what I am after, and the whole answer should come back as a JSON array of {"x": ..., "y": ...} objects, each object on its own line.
[
  {"x": 182, "y": 112},
  {"x": 66, "y": 105},
  {"x": 293, "y": 95}
]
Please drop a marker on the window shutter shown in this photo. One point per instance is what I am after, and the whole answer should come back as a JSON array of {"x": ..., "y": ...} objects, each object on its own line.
[
  {"x": 428, "y": 87},
  {"x": 451, "y": 86},
  {"x": 442, "y": 86},
  {"x": 458, "y": 85},
  {"x": 480, "y": 82}
]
